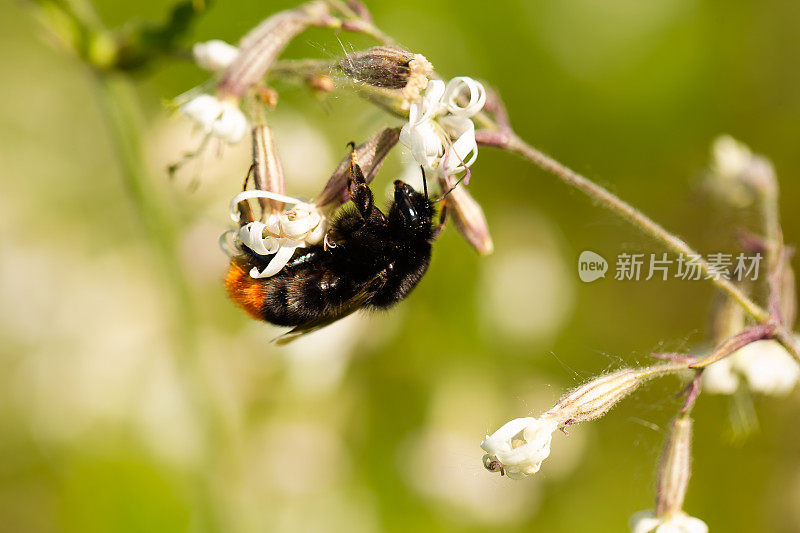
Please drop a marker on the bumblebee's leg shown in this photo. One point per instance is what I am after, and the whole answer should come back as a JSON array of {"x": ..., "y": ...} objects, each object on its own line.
[{"x": 360, "y": 193}]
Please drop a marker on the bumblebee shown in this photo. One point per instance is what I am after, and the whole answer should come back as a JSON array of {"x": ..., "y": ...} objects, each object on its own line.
[{"x": 369, "y": 260}]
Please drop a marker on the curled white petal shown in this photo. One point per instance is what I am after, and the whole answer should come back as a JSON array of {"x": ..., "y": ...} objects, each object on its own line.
[
  {"x": 214, "y": 55},
  {"x": 317, "y": 235},
  {"x": 521, "y": 445},
  {"x": 647, "y": 522},
  {"x": 299, "y": 222},
  {"x": 464, "y": 150},
  {"x": 279, "y": 260},
  {"x": 439, "y": 132},
  {"x": 455, "y": 88},
  {"x": 257, "y": 193},
  {"x": 252, "y": 236}
]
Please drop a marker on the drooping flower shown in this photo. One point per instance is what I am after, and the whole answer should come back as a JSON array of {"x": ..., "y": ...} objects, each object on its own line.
[
  {"x": 220, "y": 118},
  {"x": 765, "y": 366},
  {"x": 303, "y": 225},
  {"x": 647, "y": 522},
  {"x": 440, "y": 132},
  {"x": 214, "y": 55},
  {"x": 519, "y": 446}
]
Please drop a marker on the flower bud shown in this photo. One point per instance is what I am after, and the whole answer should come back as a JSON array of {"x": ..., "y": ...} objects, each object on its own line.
[
  {"x": 267, "y": 169},
  {"x": 370, "y": 156},
  {"x": 674, "y": 469},
  {"x": 214, "y": 55},
  {"x": 389, "y": 67},
  {"x": 468, "y": 217}
]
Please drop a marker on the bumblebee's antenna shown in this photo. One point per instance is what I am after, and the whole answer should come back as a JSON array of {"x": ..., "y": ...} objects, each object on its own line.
[
  {"x": 462, "y": 178},
  {"x": 424, "y": 182}
]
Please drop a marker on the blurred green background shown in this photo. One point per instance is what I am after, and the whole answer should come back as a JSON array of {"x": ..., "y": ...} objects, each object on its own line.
[{"x": 123, "y": 409}]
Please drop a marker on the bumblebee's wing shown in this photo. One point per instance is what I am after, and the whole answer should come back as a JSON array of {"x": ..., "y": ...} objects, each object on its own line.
[{"x": 358, "y": 301}]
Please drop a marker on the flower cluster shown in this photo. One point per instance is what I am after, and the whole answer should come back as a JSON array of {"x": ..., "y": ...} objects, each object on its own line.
[
  {"x": 765, "y": 366},
  {"x": 440, "y": 132},
  {"x": 303, "y": 225}
]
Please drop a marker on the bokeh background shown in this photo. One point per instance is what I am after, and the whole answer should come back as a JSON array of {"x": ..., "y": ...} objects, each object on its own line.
[{"x": 138, "y": 399}]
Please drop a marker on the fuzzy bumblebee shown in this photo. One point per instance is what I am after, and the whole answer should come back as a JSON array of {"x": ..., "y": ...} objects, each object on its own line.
[{"x": 369, "y": 259}]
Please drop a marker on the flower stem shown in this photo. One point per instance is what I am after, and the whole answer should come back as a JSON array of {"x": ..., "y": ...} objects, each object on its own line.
[
  {"x": 120, "y": 110},
  {"x": 613, "y": 203}
]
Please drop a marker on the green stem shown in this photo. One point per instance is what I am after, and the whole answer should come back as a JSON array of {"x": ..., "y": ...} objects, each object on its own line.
[
  {"x": 121, "y": 112},
  {"x": 612, "y": 202}
]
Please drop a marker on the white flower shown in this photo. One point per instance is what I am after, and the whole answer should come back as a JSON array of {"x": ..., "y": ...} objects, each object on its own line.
[
  {"x": 305, "y": 224},
  {"x": 220, "y": 118},
  {"x": 439, "y": 131},
  {"x": 520, "y": 445},
  {"x": 647, "y": 522},
  {"x": 730, "y": 158},
  {"x": 214, "y": 55},
  {"x": 765, "y": 365}
]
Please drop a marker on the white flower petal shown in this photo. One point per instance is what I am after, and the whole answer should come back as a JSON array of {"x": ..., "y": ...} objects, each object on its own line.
[
  {"x": 647, "y": 522},
  {"x": 500, "y": 440},
  {"x": 214, "y": 55},
  {"x": 257, "y": 193},
  {"x": 296, "y": 224},
  {"x": 768, "y": 367},
  {"x": 318, "y": 233},
  {"x": 455, "y": 88},
  {"x": 251, "y": 235},
  {"x": 275, "y": 265},
  {"x": 231, "y": 125},
  {"x": 720, "y": 378},
  {"x": 644, "y": 522},
  {"x": 203, "y": 109},
  {"x": 464, "y": 150},
  {"x": 521, "y": 445},
  {"x": 730, "y": 158},
  {"x": 425, "y": 143},
  {"x": 430, "y": 105}
]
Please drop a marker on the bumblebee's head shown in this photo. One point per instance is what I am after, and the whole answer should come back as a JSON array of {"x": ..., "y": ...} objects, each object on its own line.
[{"x": 411, "y": 211}]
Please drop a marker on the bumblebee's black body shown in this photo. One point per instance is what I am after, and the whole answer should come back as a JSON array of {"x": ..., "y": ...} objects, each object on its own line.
[{"x": 370, "y": 260}]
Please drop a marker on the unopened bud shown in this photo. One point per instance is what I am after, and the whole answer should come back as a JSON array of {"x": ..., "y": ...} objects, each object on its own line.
[
  {"x": 389, "y": 67},
  {"x": 468, "y": 217},
  {"x": 674, "y": 468},
  {"x": 267, "y": 169},
  {"x": 370, "y": 156}
]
